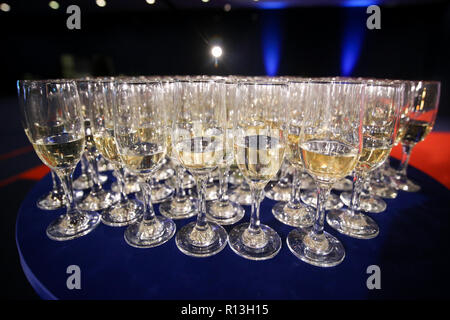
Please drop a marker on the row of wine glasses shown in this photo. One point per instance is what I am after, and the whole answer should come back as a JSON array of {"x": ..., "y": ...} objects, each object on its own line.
[{"x": 271, "y": 131}]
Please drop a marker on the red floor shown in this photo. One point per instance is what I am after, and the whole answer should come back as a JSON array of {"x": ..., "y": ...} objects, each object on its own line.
[{"x": 431, "y": 156}]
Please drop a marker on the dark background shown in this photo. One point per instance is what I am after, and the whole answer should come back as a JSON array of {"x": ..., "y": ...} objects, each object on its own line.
[{"x": 175, "y": 37}]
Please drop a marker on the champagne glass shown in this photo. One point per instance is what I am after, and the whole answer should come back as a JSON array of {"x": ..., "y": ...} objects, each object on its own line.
[
  {"x": 124, "y": 211},
  {"x": 223, "y": 211},
  {"x": 380, "y": 125},
  {"x": 294, "y": 212},
  {"x": 181, "y": 206},
  {"x": 259, "y": 145},
  {"x": 140, "y": 130},
  {"x": 421, "y": 118},
  {"x": 55, "y": 198},
  {"x": 97, "y": 198},
  {"x": 51, "y": 117},
  {"x": 197, "y": 139},
  {"x": 330, "y": 145}
]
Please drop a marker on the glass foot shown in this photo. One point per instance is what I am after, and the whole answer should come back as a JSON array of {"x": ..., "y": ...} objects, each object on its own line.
[
  {"x": 212, "y": 192},
  {"x": 51, "y": 201},
  {"x": 296, "y": 216},
  {"x": 384, "y": 191},
  {"x": 357, "y": 226},
  {"x": 262, "y": 246},
  {"x": 161, "y": 192},
  {"x": 164, "y": 173},
  {"x": 66, "y": 228},
  {"x": 130, "y": 187},
  {"x": 328, "y": 252},
  {"x": 83, "y": 181},
  {"x": 179, "y": 208},
  {"x": 96, "y": 201},
  {"x": 201, "y": 243},
  {"x": 122, "y": 214},
  {"x": 279, "y": 192},
  {"x": 149, "y": 234},
  {"x": 188, "y": 182},
  {"x": 405, "y": 185},
  {"x": 224, "y": 213},
  {"x": 241, "y": 196},
  {"x": 104, "y": 165},
  {"x": 235, "y": 178},
  {"x": 310, "y": 198},
  {"x": 343, "y": 185},
  {"x": 368, "y": 203}
]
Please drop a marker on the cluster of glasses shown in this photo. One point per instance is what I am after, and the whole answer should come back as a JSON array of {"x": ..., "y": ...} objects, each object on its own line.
[{"x": 168, "y": 139}]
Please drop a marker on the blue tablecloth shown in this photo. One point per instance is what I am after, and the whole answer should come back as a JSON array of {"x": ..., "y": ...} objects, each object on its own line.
[{"x": 411, "y": 250}]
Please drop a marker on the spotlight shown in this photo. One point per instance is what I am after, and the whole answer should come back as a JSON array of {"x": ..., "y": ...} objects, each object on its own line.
[
  {"x": 227, "y": 7},
  {"x": 205, "y": 0},
  {"x": 100, "y": 3},
  {"x": 216, "y": 52},
  {"x": 54, "y": 5},
  {"x": 150, "y": 1},
  {"x": 5, "y": 7}
]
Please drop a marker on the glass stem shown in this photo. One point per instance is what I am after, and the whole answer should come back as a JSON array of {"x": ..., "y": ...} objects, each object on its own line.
[
  {"x": 223, "y": 183},
  {"x": 96, "y": 186},
  {"x": 405, "y": 159},
  {"x": 84, "y": 164},
  {"x": 57, "y": 188},
  {"x": 358, "y": 182},
  {"x": 257, "y": 195},
  {"x": 201, "y": 190},
  {"x": 179, "y": 191},
  {"x": 120, "y": 173},
  {"x": 149, "y": 212},
  {"x": 295, "y": 192},
  {"x": 72, "y": 214},
  {"x": 323, "y": 192}
]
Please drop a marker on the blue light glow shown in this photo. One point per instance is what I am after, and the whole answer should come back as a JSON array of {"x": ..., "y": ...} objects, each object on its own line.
[
  {"x": 271, "y": 5},
  {"x": 359, "y": 3},
  {"x": 271, "y": 41},
  {"x": 353, "y": 37}
]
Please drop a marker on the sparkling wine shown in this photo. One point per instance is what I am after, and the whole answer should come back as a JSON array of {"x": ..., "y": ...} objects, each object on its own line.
[
  {"x": 200, "y": 155},
  {"x": 328, "y": 160},
  {"x": 259, "y": 157},
  {"x": 373, "y": 154},
  {"x": 143, "y": 157},
  {"x": 61, "y": 151},
  {"x": 293, "y": 153},
  {"x": 416, "y": 131},
  {"x": 107, "y": 146},
  {"x": 400, "y": 133}
]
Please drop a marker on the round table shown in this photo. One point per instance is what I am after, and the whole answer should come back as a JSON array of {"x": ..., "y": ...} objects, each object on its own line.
[{"x": 411, "y": 252}]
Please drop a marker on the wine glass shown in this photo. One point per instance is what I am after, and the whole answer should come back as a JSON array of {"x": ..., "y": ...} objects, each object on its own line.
[
  {"x": 330, "y": 145},
  {"x": 421, "y": 117},
  {"x": 380, "y": 125},
  {"x": 294, "y": 212},
  {"x": 140, "y": 119},
  {"x": 97, "y": 198},
  {"x": 180, "y": 206},
  {"x": 124, "y": 211},
  {"x": 51, "y": 117},
  {"x": 198, "y": 134},
  {"x": 223, "y": 211},
  {"x": 259, "y": 146}
]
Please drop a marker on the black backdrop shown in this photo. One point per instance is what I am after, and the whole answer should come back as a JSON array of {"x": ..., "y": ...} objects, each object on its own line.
[{"x": 412, "y": 43}]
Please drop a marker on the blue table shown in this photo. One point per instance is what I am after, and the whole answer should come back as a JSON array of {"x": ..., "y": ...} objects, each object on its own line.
[{"x": 411, "y": 250}]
